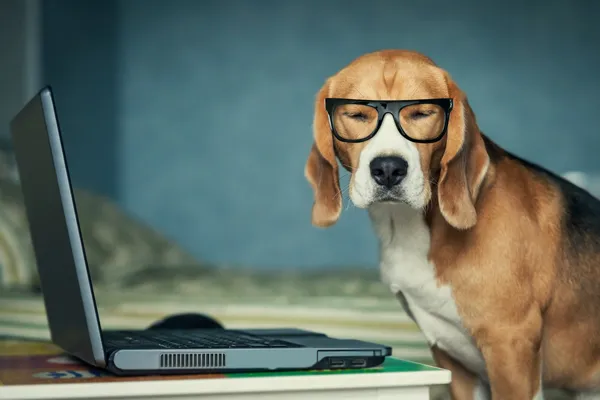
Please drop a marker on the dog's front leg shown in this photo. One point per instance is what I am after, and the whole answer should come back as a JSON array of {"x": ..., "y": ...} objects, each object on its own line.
[
  {"x": 464, "y": 385},
  {"x": 513, "y": 362}
]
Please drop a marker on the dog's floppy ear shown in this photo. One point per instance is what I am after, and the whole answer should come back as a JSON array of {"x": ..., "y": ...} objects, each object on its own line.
[
  {"x": 321, "y": 169},
  {"x": 464, "y": 164}
]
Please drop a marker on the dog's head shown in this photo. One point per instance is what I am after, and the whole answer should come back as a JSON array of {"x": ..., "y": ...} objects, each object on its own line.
[{"x": 399, "y": 151}]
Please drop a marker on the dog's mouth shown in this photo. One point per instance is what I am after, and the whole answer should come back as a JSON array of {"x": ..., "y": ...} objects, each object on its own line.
[
  {"x": 396, "y": 196},
  {"x": 388, "y": 197}
]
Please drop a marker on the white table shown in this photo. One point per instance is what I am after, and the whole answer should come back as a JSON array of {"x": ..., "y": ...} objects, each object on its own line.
[{"x": 396, "y": 380}]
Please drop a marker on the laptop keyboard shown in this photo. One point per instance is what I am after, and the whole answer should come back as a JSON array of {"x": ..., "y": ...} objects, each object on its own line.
[{"x": 190, "y": 339}]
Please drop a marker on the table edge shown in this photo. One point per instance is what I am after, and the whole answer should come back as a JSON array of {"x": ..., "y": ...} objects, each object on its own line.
[{"x": 188, "y": 387}]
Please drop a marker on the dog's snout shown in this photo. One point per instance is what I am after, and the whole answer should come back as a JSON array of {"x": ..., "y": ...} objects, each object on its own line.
[{"x": 388, "y": 171}]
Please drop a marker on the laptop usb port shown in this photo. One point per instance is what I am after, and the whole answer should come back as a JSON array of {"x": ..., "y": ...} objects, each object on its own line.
[
  {"x": 358, "y": 363},
  {"x": 337, "y": 363}
]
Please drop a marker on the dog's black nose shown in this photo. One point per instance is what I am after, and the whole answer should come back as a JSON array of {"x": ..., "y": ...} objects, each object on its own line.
[{"x": 388, "y": 171}]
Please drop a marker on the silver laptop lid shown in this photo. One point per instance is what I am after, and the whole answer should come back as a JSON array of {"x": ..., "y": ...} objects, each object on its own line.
[{"x": 57, "y": 242}]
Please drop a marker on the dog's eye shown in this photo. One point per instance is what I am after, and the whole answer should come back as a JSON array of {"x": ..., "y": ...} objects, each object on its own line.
[
  {"x": 421, "y": 114},
  {"x": 358, "y": 116}
]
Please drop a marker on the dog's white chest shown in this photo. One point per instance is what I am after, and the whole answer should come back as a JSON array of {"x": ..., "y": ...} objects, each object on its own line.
[{"x": 404, "y": 241}]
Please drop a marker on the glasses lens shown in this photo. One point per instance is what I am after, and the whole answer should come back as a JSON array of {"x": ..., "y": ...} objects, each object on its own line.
[
  {"x": 354, "y": 121},
  {"x": 423, "y": 121}
]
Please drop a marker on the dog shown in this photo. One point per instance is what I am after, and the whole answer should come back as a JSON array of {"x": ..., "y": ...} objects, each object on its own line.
[{"x": 496, "y": 259}]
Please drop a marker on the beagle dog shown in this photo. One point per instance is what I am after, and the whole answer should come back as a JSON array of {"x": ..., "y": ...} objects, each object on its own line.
[{"x": 496, "y": 259}]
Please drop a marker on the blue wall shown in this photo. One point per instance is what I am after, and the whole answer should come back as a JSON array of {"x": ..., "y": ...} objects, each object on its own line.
[
  {"x": 80, "y": 41},
  {"x": 203, "y": 117}
]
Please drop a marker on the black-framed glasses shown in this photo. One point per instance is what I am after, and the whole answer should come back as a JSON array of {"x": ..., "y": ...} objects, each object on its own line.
[{"x": 421, "y": 121}]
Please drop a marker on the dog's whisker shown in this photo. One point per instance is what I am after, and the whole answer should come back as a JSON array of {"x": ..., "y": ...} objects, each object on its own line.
[
  {"x": 345, "y": 175},
  {"x": 348, "y": 205},
  {"x": 339, "y": 194},
  {"x": 342, "y": 192},
  {"x": 348, "y": 167}
]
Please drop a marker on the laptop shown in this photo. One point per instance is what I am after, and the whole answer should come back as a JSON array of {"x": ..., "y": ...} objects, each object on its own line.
[{"x": 69, "y": 296}]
